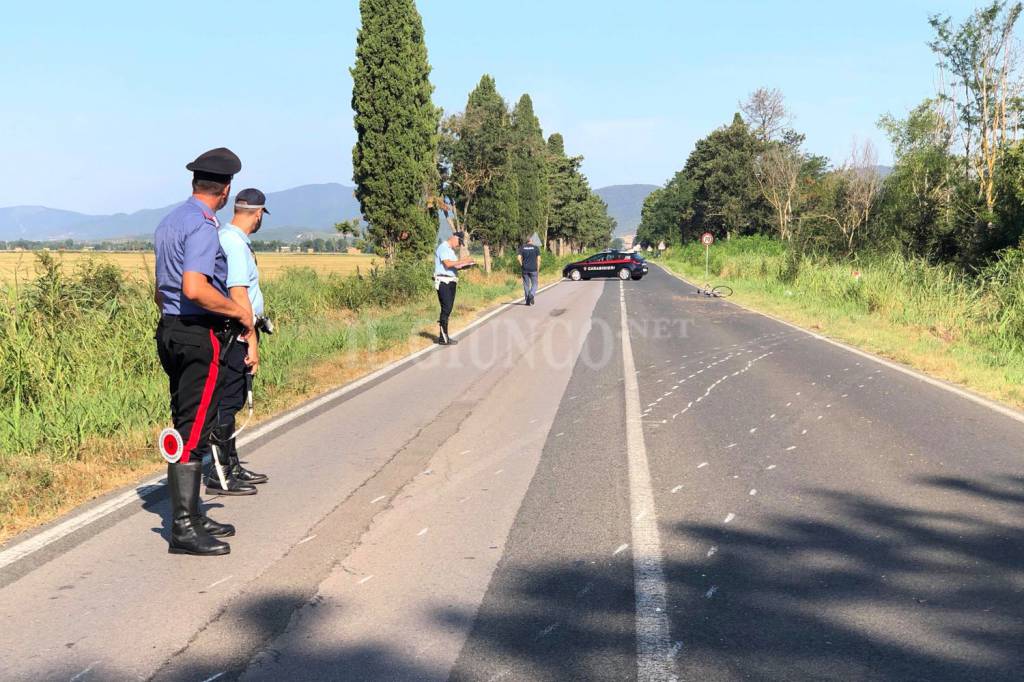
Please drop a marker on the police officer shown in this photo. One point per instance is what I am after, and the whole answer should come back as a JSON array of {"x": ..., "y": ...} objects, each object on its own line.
[
  {"x": 227, "y": 475},
  {"x": 446, "y": 279},
  {"x": 195, "y": 325},
  {"x": 529, "y": 260}
]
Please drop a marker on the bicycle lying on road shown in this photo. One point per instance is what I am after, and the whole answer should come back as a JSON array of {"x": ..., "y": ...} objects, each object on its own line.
[{"x": 720, "y": 291}]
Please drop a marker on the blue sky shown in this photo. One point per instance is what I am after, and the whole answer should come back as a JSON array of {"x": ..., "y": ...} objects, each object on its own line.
[{"x": 105, "y": 102}]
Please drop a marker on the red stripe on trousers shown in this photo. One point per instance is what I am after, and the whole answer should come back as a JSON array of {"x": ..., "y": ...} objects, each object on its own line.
[{"x": 204, "y": 402}]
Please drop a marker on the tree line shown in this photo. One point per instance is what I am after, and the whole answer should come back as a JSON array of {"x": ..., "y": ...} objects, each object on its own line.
[
  {"x": 489, "y": 168},
  {"x": 954, "y": 195}
]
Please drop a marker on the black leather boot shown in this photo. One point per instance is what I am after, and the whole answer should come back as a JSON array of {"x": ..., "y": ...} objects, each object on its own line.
[
  {"x": 240, "y": 472},
  {"x": 188, "y": 535},
  {"x": 444, "y": 339},
  {"x": 220, "y": 480}
]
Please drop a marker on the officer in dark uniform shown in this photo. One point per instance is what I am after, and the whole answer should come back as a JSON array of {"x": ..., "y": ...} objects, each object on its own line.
[{"x": 197, "y": 323}]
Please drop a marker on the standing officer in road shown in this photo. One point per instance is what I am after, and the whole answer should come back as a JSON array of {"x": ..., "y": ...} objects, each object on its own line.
[
  {"x": 446, "y": 278},
  {"x": 197, "y": 319},
  {"x": 227, "y": 475},
  {"x": 529, "y": 259}
]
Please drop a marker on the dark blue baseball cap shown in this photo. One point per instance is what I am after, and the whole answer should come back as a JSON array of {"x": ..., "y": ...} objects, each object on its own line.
[{"x": 251, "y": 198}]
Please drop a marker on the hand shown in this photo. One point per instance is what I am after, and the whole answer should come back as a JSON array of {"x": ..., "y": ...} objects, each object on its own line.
[
  {"x": 252, "y": 358},
  {"x": 249, "y": 326}
]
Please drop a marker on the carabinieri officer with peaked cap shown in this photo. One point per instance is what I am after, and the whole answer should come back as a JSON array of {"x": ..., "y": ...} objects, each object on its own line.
[{"x": 197, "y": 322}]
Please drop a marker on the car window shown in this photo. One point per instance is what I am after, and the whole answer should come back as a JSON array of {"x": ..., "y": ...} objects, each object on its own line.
[{"x": 597, "y": 257}]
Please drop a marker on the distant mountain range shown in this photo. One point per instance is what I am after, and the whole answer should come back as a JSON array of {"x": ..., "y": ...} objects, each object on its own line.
[
  {"x": 298, "y": 213},
  {"x": 624, "y": 204},
  {"x": 309, "y": 208}
]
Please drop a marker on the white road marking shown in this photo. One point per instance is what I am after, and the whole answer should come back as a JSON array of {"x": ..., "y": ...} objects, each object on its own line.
[
  {"x": 730, "y": 445},
  {"x": 548, "y": 630},
  {"x": 422, "y": 532},
  {"x": 134, "y": 496},
  {"x": 365, "y": 580},
  {"x": 712, "y": 551},
  {"x": 466, "y": 452},
  {"x": 652, "y": 629},
  {"x": 791, "y": 448},
  {"x": 87, "y": 671},
  {"x": 676, "y": 489},
  {"x": 620, "y": 549},
  {"x": 378, "y": 499},
  {"x": 702, "y": 465},
  {"x": 770, "y": 467},
  {"x": 222, "y": 580},
  {"x": 729, "y": 517},
  {"x": 711, "y": 593},
  {"x": 753, "y": 429},
  {"x": 753, "y": 491},
  {"x": 215, "y": 677}
]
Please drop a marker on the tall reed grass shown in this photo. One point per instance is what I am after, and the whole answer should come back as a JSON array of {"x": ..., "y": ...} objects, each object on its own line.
[
  {"x": 80, "y": 380},
  {"x": 982, "y": 311}
]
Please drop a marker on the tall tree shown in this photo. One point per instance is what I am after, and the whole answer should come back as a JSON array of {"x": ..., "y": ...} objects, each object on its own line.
[
  {"x": 727, "y": 200},
  {"x": 765, "y": 113},
  {"x": 667, "y": 212},
  {"x": 475, "y": 149},
  {"x": 777, "y": 171},
  {"x": 577, "y": 215},
  {"x": 529, "y": 161},
  {"x": 393, "y": 161},
  {"x": 980, "y": 55},
  {"x": 916, "y": 211}
]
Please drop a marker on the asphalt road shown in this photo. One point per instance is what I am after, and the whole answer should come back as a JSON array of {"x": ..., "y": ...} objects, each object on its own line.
[{"x": 718, "y": 496}]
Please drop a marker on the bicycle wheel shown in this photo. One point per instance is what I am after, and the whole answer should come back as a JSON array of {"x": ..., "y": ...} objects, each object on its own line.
[{"x": 722, "y": 291}]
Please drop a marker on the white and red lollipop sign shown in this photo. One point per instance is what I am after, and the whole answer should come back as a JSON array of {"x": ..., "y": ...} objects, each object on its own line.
[{"x": 170, "y": 444}]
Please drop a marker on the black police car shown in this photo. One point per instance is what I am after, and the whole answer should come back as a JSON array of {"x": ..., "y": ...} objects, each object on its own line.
[{"x": 607, "y": 264}]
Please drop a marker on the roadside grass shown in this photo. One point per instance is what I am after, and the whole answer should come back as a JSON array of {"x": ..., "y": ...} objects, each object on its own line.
[
  {"x": 82, "y": 395},
  {"x": 965, "y": 329}
]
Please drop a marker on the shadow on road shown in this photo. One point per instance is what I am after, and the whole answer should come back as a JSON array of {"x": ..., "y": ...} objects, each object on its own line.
[
  {"x": 888, "y": 592},
  {"x": 869, "y": 591}
]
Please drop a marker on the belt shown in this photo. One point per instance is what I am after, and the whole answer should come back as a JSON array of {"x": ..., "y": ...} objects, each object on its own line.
[
  {"x": 210, "y": 321},
  {"x": 447, "y": 278}
]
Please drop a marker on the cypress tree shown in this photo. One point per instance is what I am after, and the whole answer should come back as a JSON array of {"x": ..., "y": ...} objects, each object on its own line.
[
  {"x": 577, "y": 215},
  {"x": 393, "y": 161},
  {"x": 529, "y": 160},
  {"x": 484, "y": 149}
]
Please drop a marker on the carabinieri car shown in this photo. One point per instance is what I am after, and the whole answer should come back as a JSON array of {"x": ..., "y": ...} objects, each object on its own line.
[{"x": 607, "y": 264}]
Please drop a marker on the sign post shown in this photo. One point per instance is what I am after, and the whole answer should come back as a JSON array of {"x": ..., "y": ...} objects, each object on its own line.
[{"x": 707, "y": 239}]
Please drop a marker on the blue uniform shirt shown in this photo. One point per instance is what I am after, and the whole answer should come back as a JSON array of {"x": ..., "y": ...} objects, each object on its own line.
[
  {"x": 186, "y": 241},
  {"x": 242, "y": 270},
  {"x": 444, "y": 252}
]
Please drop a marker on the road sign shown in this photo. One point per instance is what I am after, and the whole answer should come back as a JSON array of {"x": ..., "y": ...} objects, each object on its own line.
[{"x": 707, "y": 239}]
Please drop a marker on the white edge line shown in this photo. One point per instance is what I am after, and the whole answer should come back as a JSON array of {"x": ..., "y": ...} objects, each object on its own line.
[
  {"x": 939, "y": 383},
  {"x": 653, "y": 643},
  {"x": 79, "y": 520}
]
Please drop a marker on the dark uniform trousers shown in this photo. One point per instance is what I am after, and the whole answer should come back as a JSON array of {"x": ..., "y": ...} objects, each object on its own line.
[
  {"x": 446, "y": 297},
  {"x": 232, "y": 395},
  {"x": 190, "y": 353}
]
